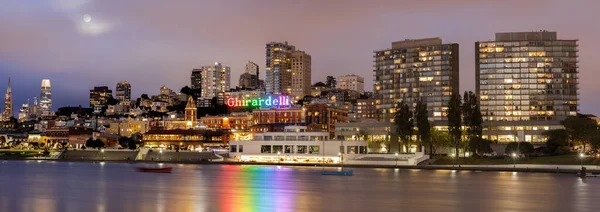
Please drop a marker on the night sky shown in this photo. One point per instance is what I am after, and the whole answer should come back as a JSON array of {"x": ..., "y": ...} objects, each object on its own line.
[{"x": 151, "y": 43}]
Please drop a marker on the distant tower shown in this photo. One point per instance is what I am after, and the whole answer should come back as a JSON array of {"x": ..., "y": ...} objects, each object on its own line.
[
  {"x": 190, "y": 110},
  {"x": 8, "y": 104},
  {"x": 123, "y": 91},
  {"x": 45, "y": 97}
]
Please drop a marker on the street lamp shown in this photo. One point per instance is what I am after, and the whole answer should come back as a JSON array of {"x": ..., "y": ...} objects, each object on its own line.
[
  {"x": 581, "y": 156},
  {"x": 396, "y": 159},
  {"x": 453, "y": 158},
  {"x": 514, "y": 156},
  {"x": 340, "y": 157}
]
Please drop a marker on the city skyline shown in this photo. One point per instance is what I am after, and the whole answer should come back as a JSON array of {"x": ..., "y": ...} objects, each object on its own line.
[{"x": 75, "y": 58}]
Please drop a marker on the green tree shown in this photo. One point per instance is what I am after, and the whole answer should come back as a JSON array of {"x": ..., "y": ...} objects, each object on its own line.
[
  {"x": 94, "y": 143},
  {"x": 404, "y": 123},
  {"x": 556, "y": 140},
  {"x": 440, "y": 139},
  {"x": 479, "y": 146},
  {"x": 581, "y": 129},
  {"x": 423, "y": 125},
  {"x": 454, "y": 120},
  {"x": 472, "y": 120},
  {"x": 320, "y": 84},
  {"x": 331, "y": 82}
]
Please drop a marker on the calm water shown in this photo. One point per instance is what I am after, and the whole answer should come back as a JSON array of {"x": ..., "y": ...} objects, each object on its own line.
[{"x": 73, "y": 186}]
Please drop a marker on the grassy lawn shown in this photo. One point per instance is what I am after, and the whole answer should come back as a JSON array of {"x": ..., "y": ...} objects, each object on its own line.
[{"x": 570, "y": 159}]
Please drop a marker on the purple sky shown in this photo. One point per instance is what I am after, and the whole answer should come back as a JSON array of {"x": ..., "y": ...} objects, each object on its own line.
[{"x": 150, "y": 42}]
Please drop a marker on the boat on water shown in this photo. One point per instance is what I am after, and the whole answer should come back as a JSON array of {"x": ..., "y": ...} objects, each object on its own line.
[{"x": 155, "y": 170}]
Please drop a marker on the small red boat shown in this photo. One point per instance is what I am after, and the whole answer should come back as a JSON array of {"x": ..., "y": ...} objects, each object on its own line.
[{"x": 155, "y": 170}]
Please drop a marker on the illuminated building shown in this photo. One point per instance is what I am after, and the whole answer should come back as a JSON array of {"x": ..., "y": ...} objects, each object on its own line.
[
  {"x": 413, "y": 70},
  {"x": 45, "y": 105},
  {"x": 301, "y": 74},
  {"x": 367, "y": 109},
  {"x": 24, "y": 112},
  {"x": 527, "y": 83},
  {"x": 196, "y": 79},
  {"x": 128, "y": 127},
  {"x": 100, "y": 96},
  {"x": 184, "y": 139},
  {"x": 236, "y": 121},
  {"x": 123, "y": 91},
  {"x": 275, "y": 119},
  {"x": 322, "y": 118},
  {"x": 8, "y": 113},
  {"x": 295, "y": 145},
  {"x": 351, "y": 82},
  {"x": 215, "y": 80},
  {"x": 249, "y": 79},
  {"x": 278, "y": 68},
  {"x": 190, "y": 119},
  {"x": 367, "y": 130}
]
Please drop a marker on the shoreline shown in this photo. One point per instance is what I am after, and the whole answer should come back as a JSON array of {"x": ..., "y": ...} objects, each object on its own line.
[{"x": 560, "y": 169}]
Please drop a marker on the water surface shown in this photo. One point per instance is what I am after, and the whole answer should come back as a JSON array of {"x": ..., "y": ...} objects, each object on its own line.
[{"x": 80, "y": 186}]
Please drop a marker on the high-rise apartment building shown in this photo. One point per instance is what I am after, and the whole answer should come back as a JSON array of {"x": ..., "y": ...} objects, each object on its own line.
[
  {"x": 196, "y": 78},
  {"x": 413, "y": 70},
  {"x": 278, "y": 72},
  {"x": 215, "y": 79},
  {"x": 252, "y": 68},
  {"x": 100, "y": 96},
  {"x": 249, "y": 79},
  {"x": 527, "y": 83},
  {"x": 45, "y": 105},
  {"x": 123, "y": 91},
  {"x": 351, "y": 82},
  {"x": 301, "y": 74},
  {"x": 8, "y": 103}
]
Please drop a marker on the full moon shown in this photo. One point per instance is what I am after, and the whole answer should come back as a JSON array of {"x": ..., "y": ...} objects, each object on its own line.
[{"x": 87, "y": 18}]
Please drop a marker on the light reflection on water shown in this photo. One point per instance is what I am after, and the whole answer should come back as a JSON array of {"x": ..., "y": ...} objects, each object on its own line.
[{"x": 73, "y": 186}]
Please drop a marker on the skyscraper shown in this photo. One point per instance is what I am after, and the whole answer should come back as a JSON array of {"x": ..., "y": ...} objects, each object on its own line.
[
  {"x": 100, "y": 96},
  {"x": 196, "y": 79},
  {"x": 249, "y": 79},
  {"x": 278, "y": 73},
  {"x": 413, "y": 70},
  {"x": 527, "y": 83},
  {"x": 301, "y": 74},
  {"x": 215, "y": 79},
  {"x": 351, "y": 82},
  {"x": 252, "y": 68},
  {"x": 45, "y": 105},
  {"x": 123, "y": 91},
  {"x": 8, "y": 103}
]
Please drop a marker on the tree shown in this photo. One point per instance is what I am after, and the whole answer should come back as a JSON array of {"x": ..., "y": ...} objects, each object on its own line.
[
  {"x": 581, "y": 129},
  {"x": 331, "y": 82},
  {"x": 145, "y": 96},
  {"x": 454, "y": 120},
  {"x": 362, "y": 135},
  {"x": 423, "y": 125},
  {"x": 94, "y": 143},
  {"x": 472, "y": 119},
  {"x": 186, "y": 90},
  {"x": 439, "y": 139},
  {"x": 404, "y": 123},
  {"x": 320, "y": 84},
  {"x": 556, "y": 140},
  {"x": 479, "y": 146}
]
